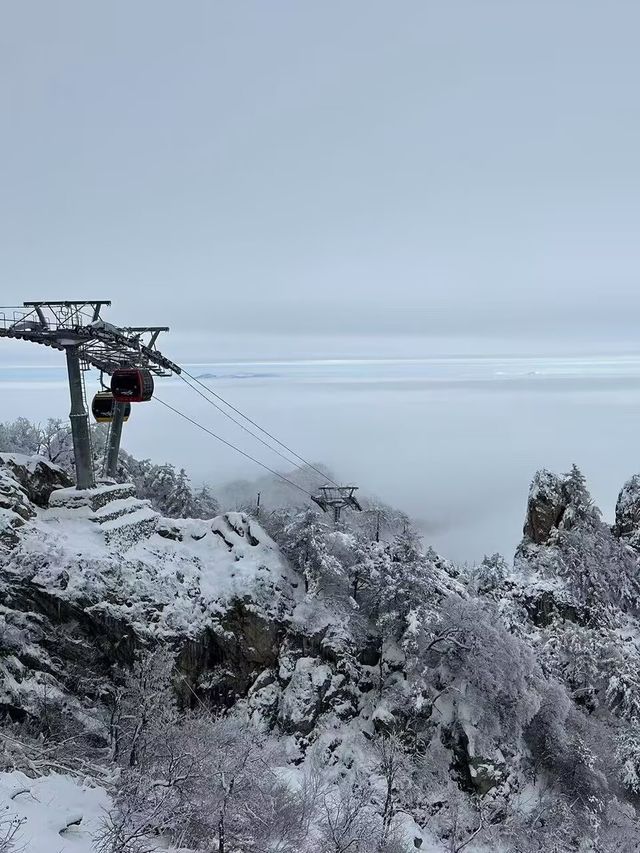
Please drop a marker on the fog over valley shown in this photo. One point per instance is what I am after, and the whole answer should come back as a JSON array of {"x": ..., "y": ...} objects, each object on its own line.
[
  {"x": 452, "y": 441},
  {"x": 357, "y": 285}
]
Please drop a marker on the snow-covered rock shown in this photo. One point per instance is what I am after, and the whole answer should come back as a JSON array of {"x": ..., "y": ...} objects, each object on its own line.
[
  {"x": 627, "y": 523},
  {"x": 15, "y": 509},
  {"x": 482, "y": 689},
  {"x": 94, "y": 576},
  {"x": 303, "y": 697},
  {"x": 156, "y": 585},
  {"x": 546, "y": 504},
  {"x": 37, "y": 476}
]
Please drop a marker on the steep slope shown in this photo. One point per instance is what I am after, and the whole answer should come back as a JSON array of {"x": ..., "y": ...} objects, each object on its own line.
[
  {"x": 495, "y": 709},
  {"x": 87, "y": 581}
]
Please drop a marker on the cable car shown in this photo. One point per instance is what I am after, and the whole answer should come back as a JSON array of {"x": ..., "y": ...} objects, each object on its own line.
[
  {"x": 132, "y": 385},
  {"x": 102, "y": 407}
]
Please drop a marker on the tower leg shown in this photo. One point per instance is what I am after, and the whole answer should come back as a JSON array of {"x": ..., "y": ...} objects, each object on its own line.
[
  {"x": 115, "y": 434},
  {"x": 79, "y": 422},
  {"x": 336, "y": 513}
]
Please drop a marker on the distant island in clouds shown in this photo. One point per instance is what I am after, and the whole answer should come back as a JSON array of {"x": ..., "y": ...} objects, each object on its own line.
[{"x": 236, "y": 375}]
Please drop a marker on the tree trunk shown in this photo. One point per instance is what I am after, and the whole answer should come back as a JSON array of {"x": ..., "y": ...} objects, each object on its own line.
[{"x": 221, "y": 834}]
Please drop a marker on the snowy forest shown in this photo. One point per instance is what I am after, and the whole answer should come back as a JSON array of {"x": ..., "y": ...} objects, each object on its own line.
[{"x": 179, "y": 672}]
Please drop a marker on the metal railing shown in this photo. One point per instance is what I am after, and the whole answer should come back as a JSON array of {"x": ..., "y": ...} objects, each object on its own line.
[
  {"x": 101, "y": 345},
  {"x": 17, "y": 315}
]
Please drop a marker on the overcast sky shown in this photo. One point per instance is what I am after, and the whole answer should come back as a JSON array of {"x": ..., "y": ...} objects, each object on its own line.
[{"x": 289, "y": 171}]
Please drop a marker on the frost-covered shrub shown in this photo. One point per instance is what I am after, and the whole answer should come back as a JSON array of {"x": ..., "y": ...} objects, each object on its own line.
[
  {"x": 628, "y": 755},
  {"x": 10, "y": 834},
  {"x": 562, "y": 744},
  {"x": 305, "y": 541},
  {"x": 490, "y": 574},
  {"x": 623, "y": 687}
]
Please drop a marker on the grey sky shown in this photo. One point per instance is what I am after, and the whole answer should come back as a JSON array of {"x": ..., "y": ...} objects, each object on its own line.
[{"x": 329, "y": 168}]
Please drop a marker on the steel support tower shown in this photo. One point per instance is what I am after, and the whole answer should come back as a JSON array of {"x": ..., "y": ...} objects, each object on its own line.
[
  {"x": 77, "y": 329},
  {"x": 113, "y": 440},
  {"x": 337, "y": 498}
]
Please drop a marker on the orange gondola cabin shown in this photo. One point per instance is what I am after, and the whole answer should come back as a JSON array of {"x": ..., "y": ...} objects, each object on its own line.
[{"x": 102, "y": 407}]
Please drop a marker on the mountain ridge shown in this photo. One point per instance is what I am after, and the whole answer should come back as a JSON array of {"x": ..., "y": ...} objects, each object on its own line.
[{"x": 493, "y": 687}]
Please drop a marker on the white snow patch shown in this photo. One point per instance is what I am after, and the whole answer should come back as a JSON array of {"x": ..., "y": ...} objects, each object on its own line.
[
  {"x": 159, "y": 584},
  {"x": 56, "y": 813}
]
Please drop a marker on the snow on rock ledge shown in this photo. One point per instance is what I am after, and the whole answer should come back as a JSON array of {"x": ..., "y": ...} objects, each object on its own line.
[
  {"x": 37, "y": 476},
  {"x": 15, "y": 509},
  {"x": 303, "y": 697},
  {"x": 627, "y": 525},
  {"x": 160, "y": 585}
]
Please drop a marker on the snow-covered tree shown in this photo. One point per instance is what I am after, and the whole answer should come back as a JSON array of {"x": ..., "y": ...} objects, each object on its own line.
[
  {"x": 580, "y": 505},
  {"x": 179, "y": 502},
  {"x": 205, "y": 504},
  {"x": 349, "y": 821},
  {"x": 490, "y": 574},
  {"x": 51, "y": 440},
  {"x": 305, "y": 541},
  {"x": 628, "y": 756},
  {"x": 20, "y": 436}
]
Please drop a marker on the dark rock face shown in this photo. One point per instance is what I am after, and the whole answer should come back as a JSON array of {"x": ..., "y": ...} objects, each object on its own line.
[
  {"x": 474, "y": 774},
  {"x": 55, "y": 659},
  {"x": 546, "y": 506},
  {"x": 37, "y": 476},
  {"x": 543, "y": 606},
  {"x": 224, "y": 662},
  {"x": 627, "y": 523}
]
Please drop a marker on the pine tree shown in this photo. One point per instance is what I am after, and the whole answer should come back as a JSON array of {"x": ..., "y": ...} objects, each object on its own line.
[
  {"x": 490, "y": 574},
  {"x": 180, "y": 502},
  {"x": 580, "y": 505},
  {"x": 158, "y": 485},
  {"x": 369, "y": 576},
  {"x": 205, "y": 504}
]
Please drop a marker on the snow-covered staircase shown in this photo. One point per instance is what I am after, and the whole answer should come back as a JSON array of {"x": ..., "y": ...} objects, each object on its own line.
[
  {"x": 94, "y": 499},
  {"x": 123, "y": 518}
]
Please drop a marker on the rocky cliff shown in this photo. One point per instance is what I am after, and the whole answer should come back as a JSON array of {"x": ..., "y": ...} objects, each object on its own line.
[{"x": 502, "y": 687}]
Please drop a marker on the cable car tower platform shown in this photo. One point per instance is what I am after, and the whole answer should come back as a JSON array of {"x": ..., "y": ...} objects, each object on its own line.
[
  {"x": 77, "y": 329},
  {"x": 337, "y": 498}
]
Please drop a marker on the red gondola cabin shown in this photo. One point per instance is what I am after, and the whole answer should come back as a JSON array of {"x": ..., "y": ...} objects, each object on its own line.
[{"x": 132, "y": 385}]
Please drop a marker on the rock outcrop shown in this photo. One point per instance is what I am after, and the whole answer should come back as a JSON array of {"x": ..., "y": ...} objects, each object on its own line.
[
  {"x": 302, "y": 698},
  {"x": 546, "y": 505},
  {"x": 37, "y": 476},
  {"x": 26, "y": 482},
  {"x": 93, "y": 576},
  {"x": 627, "y": 522},
  {"x": 15, "y": 510}
]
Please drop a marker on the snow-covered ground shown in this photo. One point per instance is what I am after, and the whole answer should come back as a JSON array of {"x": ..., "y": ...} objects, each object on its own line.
[
  {"x": 52, "y": 814},
  {"x": 59, "y": 814},
  {"x": 183, "y": 576}
]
